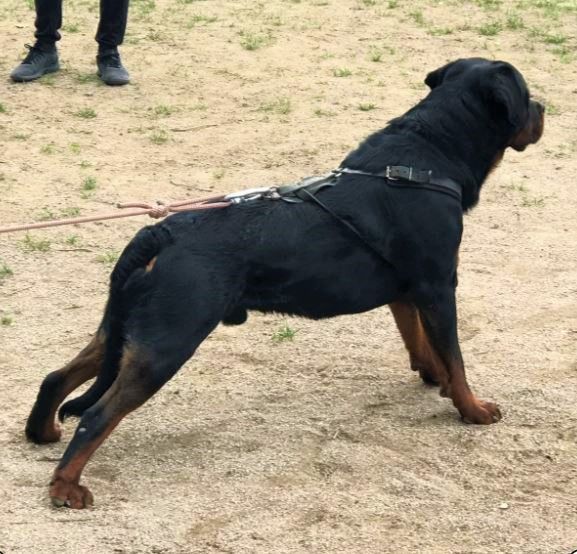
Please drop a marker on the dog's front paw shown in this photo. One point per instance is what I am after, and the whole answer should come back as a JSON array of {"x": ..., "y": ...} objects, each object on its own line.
[
  {"x": 71, "y": 495},
  {"x": 481, "y": 413}
]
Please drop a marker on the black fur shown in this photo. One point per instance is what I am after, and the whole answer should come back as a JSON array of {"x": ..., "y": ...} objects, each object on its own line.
[{"x": 176, "y": 281}]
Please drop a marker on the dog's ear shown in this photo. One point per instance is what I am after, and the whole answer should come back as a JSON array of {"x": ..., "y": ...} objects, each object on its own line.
[
  {"x": 506, "y": 91},
  {"x": 435, "y": 78}
]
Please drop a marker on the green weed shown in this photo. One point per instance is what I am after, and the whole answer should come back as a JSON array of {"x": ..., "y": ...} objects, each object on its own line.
[
  {"x": 5, "y": 271},
  {"x": 490, "y": 29},
  {"x": 284, "y": 333},
  {"x": 159, "y": 137},
  {"x": 86, "y": 113},
  {"x": 31, "y": 244},
  {"x": 280, "y": 106},
  {"x": 342, "y": 72}
]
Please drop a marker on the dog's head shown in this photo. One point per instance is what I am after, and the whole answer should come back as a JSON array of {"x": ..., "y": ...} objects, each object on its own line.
[{"x": 504, "y": 92}]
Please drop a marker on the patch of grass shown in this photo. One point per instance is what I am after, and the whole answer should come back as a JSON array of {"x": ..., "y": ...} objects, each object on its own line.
[
  {"x": 285, "y": 333},
  {"x": 254, "y": 41},
  {"x": 88, "y": 187},
  {"x": 48, "y": 149},
  {"x": 514, "y": 22},
  {"x": 319, "y": 112},
  {"x": 418, "y": 17},
  {"x": 392, "y": 4},
  {"x": 520, "y": 188},
  {"x": 376, "y": 55},
  {"x": 554, "y": 39},
  {"x": 6, "y": 321},
  {"x": 218, "y": 174},
  {"x": 154, "y": 36},
  {"x": 45, "y": 214},
  {"x": 280, "y": 106},
  {"x": 74, "y": 147},
  {"x": 143, "y": 8},
  {"x": 72, "y": 211},
  {"x": 5, "y": 271},
  {"x": 564, "y": 54},
  {"x": 537, "y": 202},
  {"x": 73, "y": 240},
  {"x": 108, "y": 258},
  {"x": 440, "y": 31},
  {"x": 85, "y": 78},
  {"x": 20, "y": 136},
  {"x": 48, "y": 80},
  {"x": 89, "y": 184},
  {"x": 3, "y": 108},
  {"x": 31, "y": 244},
  {"x": 489, "y": 4},
  {"x": 366, "y": 107},
  {"x": 199, "y": 19},
  {"x": 551, "y": 109},
  {"x": 86, "y": 113},
  {"x": 162, "y": 110},
  {"x": 490, "y": 29},
  {"x": 342, "y": 72},
  {"x": 159, "y": 137},
  {"x": 71, "y": 28}
]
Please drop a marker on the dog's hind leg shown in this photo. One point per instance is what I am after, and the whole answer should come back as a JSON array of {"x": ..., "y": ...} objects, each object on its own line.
[
  {"x": 41, "y": 426},
  {"x": 422, "y": 356},
  {"x": 164, "y": 327},
  {"x": 143, "y": 371}
]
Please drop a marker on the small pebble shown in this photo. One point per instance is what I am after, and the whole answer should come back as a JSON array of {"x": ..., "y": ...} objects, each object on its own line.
[{"x": 503, "y": 506}]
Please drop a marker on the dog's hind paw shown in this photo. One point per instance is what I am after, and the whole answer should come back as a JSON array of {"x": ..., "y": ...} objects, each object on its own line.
[
  {"x": 70, "y": 495},
  {"x": 45, "y": 435}
]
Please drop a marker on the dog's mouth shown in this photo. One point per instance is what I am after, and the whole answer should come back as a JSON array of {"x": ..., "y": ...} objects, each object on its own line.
[{"x": 533, "y": 131}]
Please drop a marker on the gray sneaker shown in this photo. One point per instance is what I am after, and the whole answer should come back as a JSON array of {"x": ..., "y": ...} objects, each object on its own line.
[
  {"x": 38, "y": 62},
  {"x": 110, "y": 68}
]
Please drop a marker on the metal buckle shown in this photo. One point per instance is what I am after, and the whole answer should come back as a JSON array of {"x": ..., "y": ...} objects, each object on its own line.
[{"x": 388, "y": 174}]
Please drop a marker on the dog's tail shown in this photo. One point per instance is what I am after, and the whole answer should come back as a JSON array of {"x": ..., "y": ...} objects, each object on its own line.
[{"x": 139, "y": 252}]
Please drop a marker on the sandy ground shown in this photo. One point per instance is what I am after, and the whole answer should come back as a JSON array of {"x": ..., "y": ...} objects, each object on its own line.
[{"x": 327, "y": 442}]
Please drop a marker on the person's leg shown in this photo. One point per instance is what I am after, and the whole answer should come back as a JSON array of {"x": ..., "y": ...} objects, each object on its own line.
[
  {"x": 48, "y": 22},
  {"x": 110, "y": 34},
  {"x": 112, "y": 25},
  {"x": 43, "y": 56}
]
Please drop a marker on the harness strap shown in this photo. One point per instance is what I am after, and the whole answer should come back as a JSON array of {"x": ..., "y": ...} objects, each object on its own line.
[
  {"x": 294, "y": 191},
  {"x": 403, "y": 176}
]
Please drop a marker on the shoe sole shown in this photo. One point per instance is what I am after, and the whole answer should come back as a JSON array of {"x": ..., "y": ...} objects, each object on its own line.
[
  {"x": 34, "y": 76},
  {"x": 111, "y": 83}
]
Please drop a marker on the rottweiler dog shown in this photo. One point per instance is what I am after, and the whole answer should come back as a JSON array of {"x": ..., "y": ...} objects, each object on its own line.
[{"x": 386, "y": 232}]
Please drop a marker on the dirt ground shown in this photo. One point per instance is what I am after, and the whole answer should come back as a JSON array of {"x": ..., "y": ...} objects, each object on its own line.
[{"x": 325, "y": 442}]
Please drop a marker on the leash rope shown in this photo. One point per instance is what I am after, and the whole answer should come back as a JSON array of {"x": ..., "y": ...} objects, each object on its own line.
[{"x": 132, "y": 209}]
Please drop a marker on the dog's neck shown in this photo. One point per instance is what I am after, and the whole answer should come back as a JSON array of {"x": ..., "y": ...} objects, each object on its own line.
[{"x": 429, "y": 137}]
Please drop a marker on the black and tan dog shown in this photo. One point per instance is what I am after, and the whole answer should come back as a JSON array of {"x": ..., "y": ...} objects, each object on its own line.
[{"x": 386, "y": 232}]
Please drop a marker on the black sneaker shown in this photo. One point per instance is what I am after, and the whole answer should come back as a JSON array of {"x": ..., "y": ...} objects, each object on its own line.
[
  {"x": 110, "y": 68},
  {"x": 39, "y": 61}
]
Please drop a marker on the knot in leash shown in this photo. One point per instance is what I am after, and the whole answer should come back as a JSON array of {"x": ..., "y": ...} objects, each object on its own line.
[{"x": 156, "y": 212}]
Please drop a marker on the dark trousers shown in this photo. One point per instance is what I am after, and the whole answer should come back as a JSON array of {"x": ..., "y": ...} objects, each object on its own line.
[{"x": 113, "y": 17}]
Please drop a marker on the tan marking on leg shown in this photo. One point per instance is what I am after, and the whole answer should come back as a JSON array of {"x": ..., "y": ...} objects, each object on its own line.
[
  {"x": 83, "y": 367},
  {"x": 150, "y": 265},
  {"x": 423, "y": 357}
]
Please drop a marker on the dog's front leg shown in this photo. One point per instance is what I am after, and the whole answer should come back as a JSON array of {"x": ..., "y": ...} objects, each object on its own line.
[
  {"x": 437, "y": 307},
  {"x": 422, "y": 356}
]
